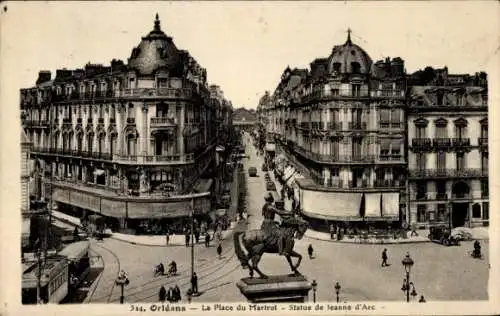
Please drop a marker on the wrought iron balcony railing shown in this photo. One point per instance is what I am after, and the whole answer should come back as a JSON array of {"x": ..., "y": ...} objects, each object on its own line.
[
  {"x": 449, "y": 173},
  {"x": 421, "y": 143}
]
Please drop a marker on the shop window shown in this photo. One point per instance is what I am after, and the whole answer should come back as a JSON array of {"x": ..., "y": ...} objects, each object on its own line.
[
  {"x": 421, "y": 190},
  {"x": 486, "y": 210},
  {"x": 485, "y": 188},
  {"x": 441, "y": 212},
  {"x": 421, "y": 213}
]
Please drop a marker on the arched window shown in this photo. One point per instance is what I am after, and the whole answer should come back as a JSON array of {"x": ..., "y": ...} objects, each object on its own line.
[
  {"x": 70, "y": 140},
  {"x": 79, "y": 142},
  {"x": 56, "y": 140},
  {"x": 336, "y": 67},
  {"x": 100, "y": 142},
  {"x": 112, "y": 143}
]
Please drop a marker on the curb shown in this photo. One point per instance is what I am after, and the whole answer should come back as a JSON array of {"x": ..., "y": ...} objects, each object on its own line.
[{"x": 369, "y": 243}]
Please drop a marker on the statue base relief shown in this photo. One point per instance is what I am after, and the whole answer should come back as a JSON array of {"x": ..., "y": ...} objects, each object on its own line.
[{"x": 275, "y": 289}]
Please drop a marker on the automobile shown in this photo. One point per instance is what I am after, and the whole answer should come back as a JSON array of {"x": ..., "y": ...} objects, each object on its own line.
[
  {"x": 252, "y": 172},
  {"x": 442, "y": 235}
]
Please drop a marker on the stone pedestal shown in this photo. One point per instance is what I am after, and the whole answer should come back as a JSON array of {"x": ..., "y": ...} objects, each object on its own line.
[{"x": 276, "y": 289}]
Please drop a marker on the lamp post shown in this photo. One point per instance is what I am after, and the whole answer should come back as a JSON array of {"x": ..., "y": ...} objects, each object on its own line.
[
  {"x": 407, "y": 262},
  {"x": 39, "y": 276},
  {"x": 314, "y": 287},
  {"x": 192, "y": 241},
  {"x": 121, "y": 281},
  {"x": 337, "y": 290}
]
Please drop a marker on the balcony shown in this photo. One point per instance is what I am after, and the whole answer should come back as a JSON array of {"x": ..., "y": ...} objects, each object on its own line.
[
  {"x": 72, "y": 153},
  {"x": 441, "y": 196},
  {"x": 388, "y": 93},
  {"x": 335, "y": 158},
  {"x": 423, "y": 144},
  {"x": 335, "y": 126},
  {"x": 397, "y": 158},
  {"x": 36, "y": 123},
  {"x": 357, "y": 125},
  {"x": 186, "y": 158},
  {"x": 159, "y": 92},
  {"x": 441, "y": 143},
  {"x": 130, "y": 120},
  {"x": 448, "y": 173},
  {"x": 460, "y": 142},
  {"x": 158, "y": 122},
  {"x": 89, "y": 121},
  {"x": 100, "y": 120},
  {"x": 388, "y": 184}
]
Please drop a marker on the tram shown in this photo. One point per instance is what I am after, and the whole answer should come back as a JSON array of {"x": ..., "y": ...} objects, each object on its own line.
[
  {"x": 77, "y": 256},
  {"x": 53, "y": 281}
]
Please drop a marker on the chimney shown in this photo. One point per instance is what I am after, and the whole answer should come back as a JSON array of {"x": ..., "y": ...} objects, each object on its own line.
[{"x": 43, "y": 76}]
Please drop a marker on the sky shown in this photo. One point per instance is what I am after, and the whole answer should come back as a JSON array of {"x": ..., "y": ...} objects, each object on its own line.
[{"x": 246, "y": 46}]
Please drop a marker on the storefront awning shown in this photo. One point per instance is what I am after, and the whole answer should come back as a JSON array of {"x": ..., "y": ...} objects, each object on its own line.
[
  {"x": 159, "y": 210},
  {"x": 372, "y": 205},
  {"x": 390, "y": 205},
  {"x": 331, "y": 205}
]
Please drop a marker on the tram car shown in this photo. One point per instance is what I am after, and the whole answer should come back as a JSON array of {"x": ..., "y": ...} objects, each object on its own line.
[
  {"x": 53, "y": 281},
  {"x": 77, "y": 256}
]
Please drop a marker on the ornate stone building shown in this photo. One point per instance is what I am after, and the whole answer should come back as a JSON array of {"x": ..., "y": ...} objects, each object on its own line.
[
  {"x": 340, "y": 134},
  {"x": 448, "y": 149},
  {"x": 128, "y": 141}
]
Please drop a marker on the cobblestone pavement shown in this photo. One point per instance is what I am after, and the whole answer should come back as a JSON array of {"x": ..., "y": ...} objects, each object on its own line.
[{"x": 439, "y": 273}]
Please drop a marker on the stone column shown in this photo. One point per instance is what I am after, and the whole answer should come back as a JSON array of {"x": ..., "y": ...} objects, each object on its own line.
[{"x": 84, "y": 174}]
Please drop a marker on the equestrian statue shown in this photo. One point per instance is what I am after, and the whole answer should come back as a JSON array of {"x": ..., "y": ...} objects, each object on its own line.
[{"x": 272, "y": 237}]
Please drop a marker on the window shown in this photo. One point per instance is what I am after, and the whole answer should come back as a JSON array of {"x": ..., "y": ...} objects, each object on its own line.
[
  {"x": 334, "y": 150},
  {"x": 441, "y": 188},
  {"x": 131, "y": 111},
  {"x": 441, "y": 131},
  {"x": 421, "y": 190},
  {"x": 336, "y": 67},
  {"x": 79, "y": 142},
  {"x": 131, "y": 83},
  {"x": 486, "y": 210},
  {"x": 355, "y": 67},
  {"x": 460, "y": 161},
  {"x": 356, "y": 90},
  {"x": 131, "y": 145},
  {"x": 441, "y": 212},
  {"x": 421, "y": 213},
  {"x": 90, "y": 140},
  {"x": 100, "y": 144},
  {"x": 112, "y": 144},
  {"x": 385, "y": 147},
  {"x": 476, "y": 210},
  {"x": 385, "y": 117},
  {"x": 356, "y": 147},
  {"x": 420, "y": 132},
  {"x": 485, "y": 190},
  {"x": 440, "y": 95},
  {"x": 484, "y": 161},
  {"x": 441, "y": 161},
  {"x": 460, "y": 131},
  {"x": 162, "y": 83},
  {"x": 396, "y": 118},
  {"x": 396, "y": 148}
]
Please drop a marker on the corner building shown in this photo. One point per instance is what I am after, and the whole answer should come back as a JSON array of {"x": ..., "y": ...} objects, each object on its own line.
[
  {"x": 448, "y": 150},
  {"x": 339, "y": 130},
  {"x": 131, "y": 142}
]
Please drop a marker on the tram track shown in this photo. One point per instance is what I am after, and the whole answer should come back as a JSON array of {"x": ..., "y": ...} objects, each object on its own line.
[{"x": 107, "y": 297}]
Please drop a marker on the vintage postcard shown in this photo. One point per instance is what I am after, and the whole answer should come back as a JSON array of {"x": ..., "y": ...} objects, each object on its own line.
[{"x": 239, "y": 157}]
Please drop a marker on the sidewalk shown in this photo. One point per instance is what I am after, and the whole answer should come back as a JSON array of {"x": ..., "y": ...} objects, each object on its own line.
[
  {"x": 144, "y": 240},
  {"x": 480, "y": 233}
]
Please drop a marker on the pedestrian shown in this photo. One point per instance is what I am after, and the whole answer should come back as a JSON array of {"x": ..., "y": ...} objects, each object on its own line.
[
  {"x": 167, "y": 237},
  {"x": 384, "y": 258},
  {"x": 177, "y": 291},
  {"x": 163, "y": 294},
  {"x": 170, "y": 294},
  {"x": 194, "y": 283},
  {"x": 219, "y": 250},
  {"x": 197, "y": 236},
  {"x": 310, "y": 251},
  {"x": 207, "y": 240},
  {"x": 188, "y": 237},
  {"x": 332, "y": 231},
  {"x": 413, "y": 231},
  {"x": 422, "y": 299}
]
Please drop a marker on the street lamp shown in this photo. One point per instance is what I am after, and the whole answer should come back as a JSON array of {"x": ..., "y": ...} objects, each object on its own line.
[
  {"x": 337, "y": 290},
  {"x": 314, "y": 287},
  {"x": 407, "y": 262},
  {"x": 121, "y": 281}
]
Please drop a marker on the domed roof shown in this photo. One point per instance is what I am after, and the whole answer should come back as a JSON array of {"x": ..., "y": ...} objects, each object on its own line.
[
  {"x": 349, "y": 58},
  {"x": 154, "y": 51}
]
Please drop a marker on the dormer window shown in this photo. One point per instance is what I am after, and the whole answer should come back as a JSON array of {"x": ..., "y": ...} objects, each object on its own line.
[
  {"x": 336, "y": 67},
  {"x": 355, "y": 67}
]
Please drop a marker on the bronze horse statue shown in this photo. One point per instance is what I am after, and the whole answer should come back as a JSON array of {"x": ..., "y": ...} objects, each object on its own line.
[{"x": 254, "y": 243}]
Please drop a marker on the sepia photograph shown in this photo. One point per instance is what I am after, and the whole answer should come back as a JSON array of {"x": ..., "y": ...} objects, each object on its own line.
[{"x": 226, "y": 156}]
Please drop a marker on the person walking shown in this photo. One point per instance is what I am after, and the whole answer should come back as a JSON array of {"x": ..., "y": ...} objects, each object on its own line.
[
  {"x": 207, "y": 240},
  {"x": 167, "y": 237},
  {"x": 219, "y": 250},
  {"x": 197, "y": 236},
  {"x": 171, "y": 295},
  {"x": 332, "y": 231},
  {"x": 177, "y": 292},
  {"x": 194, "y": 283},
  {"x": 163, "y": 294},
  {"x": 310, "y": 251},
  {"x": 384, "y": 258},
  {"x": 422, "y": 299},
  {"x": 413, "y": 231},
  {"x": 187, "y": 237}
]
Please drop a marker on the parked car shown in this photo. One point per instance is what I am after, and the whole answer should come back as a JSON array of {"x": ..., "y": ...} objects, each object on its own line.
[
  {"x": 252, "y": 172},
  {"x": 442, "y": 235}
]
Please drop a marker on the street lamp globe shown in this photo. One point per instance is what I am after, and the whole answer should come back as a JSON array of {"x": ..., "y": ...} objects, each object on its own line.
[{"x": 407, "y": 263}]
